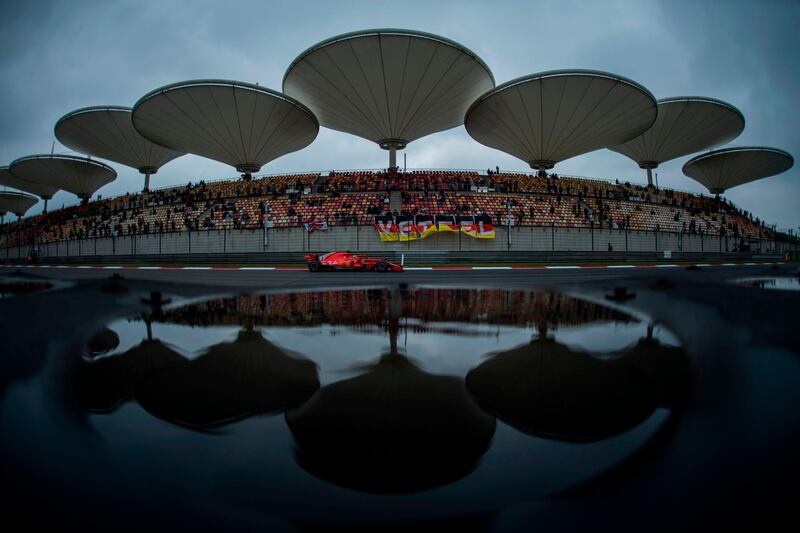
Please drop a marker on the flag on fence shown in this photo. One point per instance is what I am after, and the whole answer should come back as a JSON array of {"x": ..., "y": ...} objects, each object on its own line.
[
  {"x": 446, "y": 223},
  {"x": 387, "y": 230},
  {"x": 426, "y": 225},
  {"x": 484, "y": 229},
  {"x": 313, "y": 226},
  {"x": 408, "y": 228}
]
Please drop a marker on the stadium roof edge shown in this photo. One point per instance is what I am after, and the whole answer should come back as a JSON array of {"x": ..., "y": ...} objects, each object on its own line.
[
  {"x": 707, "y": 99},
  {"x": 733, "y": 149},
  {"x": 230, "y": 83},
  {"x": 64, "y": 157},
  {"x": 554, "y": 74},
  {"x": 91, "y": 109},
  {"x": 387, "y": 31}
]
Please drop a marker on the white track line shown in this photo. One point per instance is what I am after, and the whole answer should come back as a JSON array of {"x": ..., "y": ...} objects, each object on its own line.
[{"x": 524, "y": 267}]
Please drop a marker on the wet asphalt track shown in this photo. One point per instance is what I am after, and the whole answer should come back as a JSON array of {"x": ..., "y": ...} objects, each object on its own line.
[{"x": 295, "y": 279}]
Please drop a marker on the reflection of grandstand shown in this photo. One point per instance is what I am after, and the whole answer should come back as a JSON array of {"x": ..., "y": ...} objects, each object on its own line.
[
  {"x": 359, "y": 308},
  {"x": 355, "y": 198}
]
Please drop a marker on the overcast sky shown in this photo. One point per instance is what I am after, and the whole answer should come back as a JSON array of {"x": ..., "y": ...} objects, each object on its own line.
[{"x": 62, "y": 55}]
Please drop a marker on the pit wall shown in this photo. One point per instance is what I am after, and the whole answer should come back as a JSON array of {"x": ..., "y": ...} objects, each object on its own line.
[{"x": 282, "y": 244}]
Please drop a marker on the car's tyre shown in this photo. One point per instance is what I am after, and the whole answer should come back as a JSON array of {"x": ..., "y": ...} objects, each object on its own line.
[
  {"x": 313, "y": 266},
  {"x": 382, "y": 267}
]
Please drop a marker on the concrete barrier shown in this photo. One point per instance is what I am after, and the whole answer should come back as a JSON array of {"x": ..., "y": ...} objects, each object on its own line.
[{"x": 520, "y": 243}]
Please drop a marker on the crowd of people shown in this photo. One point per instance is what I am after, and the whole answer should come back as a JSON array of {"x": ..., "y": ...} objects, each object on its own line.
[{"x": 352, "y": 198}]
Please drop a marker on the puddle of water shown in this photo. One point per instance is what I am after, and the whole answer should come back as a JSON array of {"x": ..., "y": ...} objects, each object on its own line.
[
  {"x": 10, "y": 288},
  {"x": 395, "y": 391},
  {"x": 772, "y": 283},
  {"x": 442, "y": 401}
]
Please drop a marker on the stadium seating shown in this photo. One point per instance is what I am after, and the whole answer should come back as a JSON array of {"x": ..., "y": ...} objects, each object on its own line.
[{"x": 355, "y": 197}]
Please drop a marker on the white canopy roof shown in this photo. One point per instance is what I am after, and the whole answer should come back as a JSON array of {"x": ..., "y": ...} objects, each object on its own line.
[
  {"x": 16, "y": 202},
  {"x": 551, "y": 116},
  {"x": 78, "y": 175},
  {"x": 108, "y": 132},
  {"x": 719, "y": 170},
  {"x": 39, "y": 189},
  {"x": 685, "y": 125},
  {"x": 389, "y": 86},
  {"x": 243, "y": 125}
]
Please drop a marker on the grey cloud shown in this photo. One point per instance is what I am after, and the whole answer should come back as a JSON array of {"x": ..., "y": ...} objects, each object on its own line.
[{"x": 59, "y": 55}]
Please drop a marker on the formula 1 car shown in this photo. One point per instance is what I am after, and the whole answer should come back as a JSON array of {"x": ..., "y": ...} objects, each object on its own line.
[{"x": 350, "y": 261}]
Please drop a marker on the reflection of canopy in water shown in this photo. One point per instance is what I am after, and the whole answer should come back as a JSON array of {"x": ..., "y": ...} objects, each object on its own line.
[
  {"x": 393, "y": 429},
  {"x": 370, "y": 307},
  {"x": 102, "y": 342},
  {"x": 665, "y": 366},
  {"x": 107, "y": 383},
  {"x": 231, "y": 381},
  {"x": 547, "y": 389}
]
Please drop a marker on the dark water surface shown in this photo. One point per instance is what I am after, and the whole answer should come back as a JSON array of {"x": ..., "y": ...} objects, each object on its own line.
[{"x": 362, "y": 407}]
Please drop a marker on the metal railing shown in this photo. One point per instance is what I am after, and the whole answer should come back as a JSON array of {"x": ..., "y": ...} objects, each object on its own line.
[{"x": 265, "y": 241}]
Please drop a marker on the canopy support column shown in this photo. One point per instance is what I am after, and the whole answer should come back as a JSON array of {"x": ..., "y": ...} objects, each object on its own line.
[
  {"x": 392, "y": 158},
  {"x": 649, "y": 177},
  {"x": 45, "y": 204},
  {"x": 146, "y": 182}
]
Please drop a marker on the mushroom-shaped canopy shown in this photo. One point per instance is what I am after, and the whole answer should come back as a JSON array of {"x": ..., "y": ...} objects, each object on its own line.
[
  {"x": 546, "y": 389},
  {"x": 16, "y": 202},
  {"x": 393, "y": 429},
  {"x": 388, "y": 86},
  {"x": 719, "y": 170},
  {"x": 685, "y": 125},
  {"x": 108, "y": 132},
  {"x": 243, "y": 125},
  {"x": 666, "y": 366},
  {"x": 232, "y": 381},
  {"x": 102, "y": 342},
  {"x": 551, "y": 116},
  {"x": 105, "y": 384},
  {"x": 78, "y": 175},
  {"x": 39, "y": 189}
]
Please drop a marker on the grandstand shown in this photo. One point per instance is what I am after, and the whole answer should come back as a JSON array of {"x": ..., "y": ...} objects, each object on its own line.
[
  {"x": 357, "y": 197},
  {"x": 410, "y": 84}
]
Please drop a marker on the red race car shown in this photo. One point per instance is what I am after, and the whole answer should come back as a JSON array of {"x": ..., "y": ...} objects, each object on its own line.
[{"x": 349, "y": 261}]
